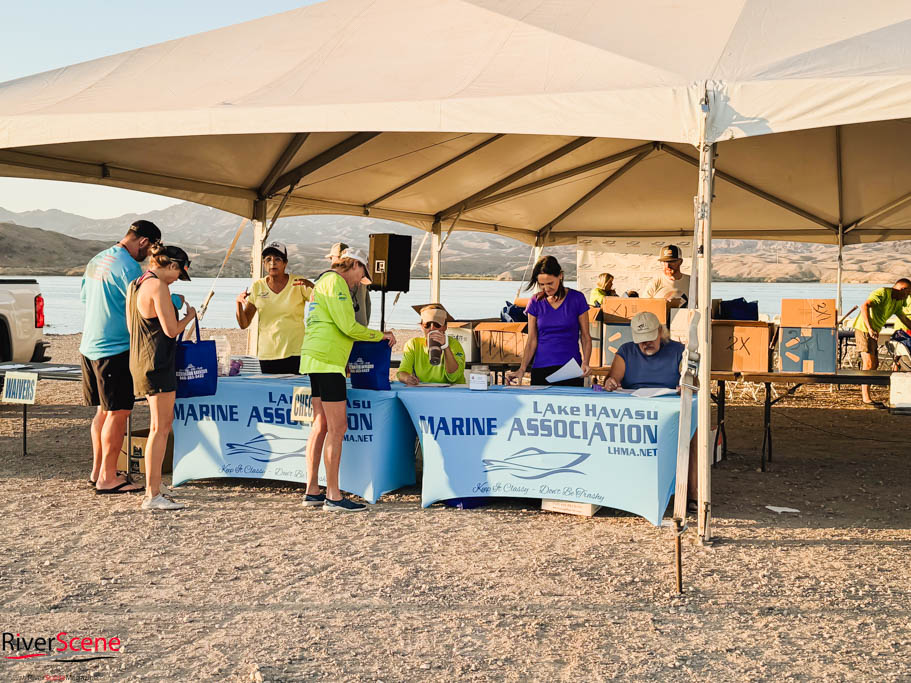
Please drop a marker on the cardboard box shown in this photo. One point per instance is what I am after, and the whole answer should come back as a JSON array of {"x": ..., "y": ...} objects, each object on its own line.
[
  {"x": 465, "y": 332},
  {"x": 136, "y": 463},
  {"x": 569, "y": 507},
  {"x": 741, "y": 345},
  {"x": 679, "y": 327},
  {"x": 808, "y": 313},
  {"x": 501, "y": 342},
  {"x": 615, "y": 335},
  {"x": 618, "y": 309},
  {"x": 596, "y": 330},
  {"x": 807, "y": 349}
]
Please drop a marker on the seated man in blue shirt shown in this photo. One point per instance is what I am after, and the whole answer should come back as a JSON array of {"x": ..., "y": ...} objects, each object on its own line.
[{"x": 651, "y": 360}]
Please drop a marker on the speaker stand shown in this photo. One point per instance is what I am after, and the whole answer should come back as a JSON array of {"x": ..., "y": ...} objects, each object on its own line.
[{"x": 383, "y": 311}]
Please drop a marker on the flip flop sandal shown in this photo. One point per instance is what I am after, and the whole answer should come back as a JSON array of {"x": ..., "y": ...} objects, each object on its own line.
[
  {"x": 91, "y": 483},
  {"x": 120, "y": 488}
]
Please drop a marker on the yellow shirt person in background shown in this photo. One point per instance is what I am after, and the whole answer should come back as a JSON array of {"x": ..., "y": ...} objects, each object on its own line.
[
  {"x": 416, "y": 367},
  {"x": 280, "y": 299}
]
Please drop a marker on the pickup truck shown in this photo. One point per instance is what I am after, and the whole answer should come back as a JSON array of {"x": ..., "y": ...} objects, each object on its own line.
[{"x": 22, "y": 321}]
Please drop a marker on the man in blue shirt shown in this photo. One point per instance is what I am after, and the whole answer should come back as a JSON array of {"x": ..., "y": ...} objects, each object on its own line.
[
  {"x": 105, "y": 349},
  {"x": 651, "y": 360}
]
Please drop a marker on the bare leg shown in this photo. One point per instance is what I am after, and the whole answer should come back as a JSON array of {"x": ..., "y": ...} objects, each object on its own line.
[
  {"x": 336, "y": 425},
  {"x": 161, "y": 415},
  {"x": 867, "y": 363},
  {"x": 115, "y": 422},
  {"x": 97, "y": 425},
  {"x": 318, "y": 433}
]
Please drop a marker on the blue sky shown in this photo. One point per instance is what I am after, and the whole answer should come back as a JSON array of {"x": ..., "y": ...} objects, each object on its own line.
[{"x": 46, "y": 34}]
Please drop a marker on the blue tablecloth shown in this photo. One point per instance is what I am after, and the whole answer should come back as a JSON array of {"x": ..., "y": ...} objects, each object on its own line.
[
  {"x": 563, "y": 443},
  {"x": 244, "y": 430}
]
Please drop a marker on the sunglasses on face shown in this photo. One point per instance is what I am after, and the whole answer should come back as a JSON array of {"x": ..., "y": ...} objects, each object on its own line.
[{"x": 431, "y": 326}]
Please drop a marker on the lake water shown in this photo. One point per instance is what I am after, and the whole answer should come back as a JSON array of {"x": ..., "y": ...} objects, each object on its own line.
[{"x": 465, "y": 299}]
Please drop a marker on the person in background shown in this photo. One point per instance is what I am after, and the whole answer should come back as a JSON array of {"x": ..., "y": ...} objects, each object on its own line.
[
  {"x": 331, "y": 332},
  {"x": 105, "y": 349},
  {"x": 153, "y": 325},
  {"x": 280, "y": 298},
  {"x": 881, "y": 305},
  {"x": 361, "y": 295},
  {"x": 605, "y": 287},
  {"x": 416, "y": 366},
  {"x": 672, "y": 284},
  {"x": 631, "y": 294},
  {"x": 651, "y": 360},
  {"x": 557, "y": 318}
]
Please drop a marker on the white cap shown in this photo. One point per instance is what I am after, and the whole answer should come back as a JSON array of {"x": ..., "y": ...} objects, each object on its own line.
[
  {"x": 645, "y": 327},
  {"x": 358, "y": 256}
]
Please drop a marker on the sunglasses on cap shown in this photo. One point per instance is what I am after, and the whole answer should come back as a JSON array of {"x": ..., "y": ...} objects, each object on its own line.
[{"x": 430, "y": 324}]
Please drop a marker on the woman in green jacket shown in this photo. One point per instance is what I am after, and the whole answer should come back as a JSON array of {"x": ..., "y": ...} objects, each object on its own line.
[{"x": 331, "y": 332}]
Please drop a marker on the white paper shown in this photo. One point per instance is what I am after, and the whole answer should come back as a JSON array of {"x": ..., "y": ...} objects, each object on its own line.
[
  {"x": 652, "y": 392},
  {"x": 12, "y": 366},
  {"x": 43, "y": 370},
  {"x": 569, "y": 371},
  {"x": 529, "y": 387},
  {"x": 779, "y": 510}
]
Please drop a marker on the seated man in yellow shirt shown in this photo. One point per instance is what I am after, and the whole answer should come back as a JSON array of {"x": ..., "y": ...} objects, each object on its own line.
[{"x": 416, "y": 367}]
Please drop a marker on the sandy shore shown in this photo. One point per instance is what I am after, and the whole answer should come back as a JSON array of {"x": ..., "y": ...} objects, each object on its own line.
[{"x": 246, "y": 583}]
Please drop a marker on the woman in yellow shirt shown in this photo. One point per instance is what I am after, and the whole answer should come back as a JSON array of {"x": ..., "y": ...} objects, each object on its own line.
[
  {"x": 281, "y": 299},
  {"x": 416, "y": 366}
]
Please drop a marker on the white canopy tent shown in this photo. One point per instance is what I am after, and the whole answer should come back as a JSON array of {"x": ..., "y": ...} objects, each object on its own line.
[{"x": 542, "y": 121}]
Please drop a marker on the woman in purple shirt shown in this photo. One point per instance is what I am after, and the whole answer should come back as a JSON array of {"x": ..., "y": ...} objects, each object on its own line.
[{"x": 557, "y": 319}]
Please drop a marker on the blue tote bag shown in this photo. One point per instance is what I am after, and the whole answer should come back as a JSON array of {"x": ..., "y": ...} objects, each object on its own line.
[
  {"x": 369, "y": 364},
  {"x": 197, "y": 366}
]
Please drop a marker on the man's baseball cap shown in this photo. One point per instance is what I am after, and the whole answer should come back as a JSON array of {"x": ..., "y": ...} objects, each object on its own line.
[
  {"x": 359, "y": 256},
  {"x": 645, "y": 327},
  {"x": 180, "y": 257},
  {"x": 433, "y": 313},
  {"x": 336, "y": 250},
  {"x": 276, "y": 248},
  {"x": 147, "y": 229},
  {"x": 669, "y": 252}
]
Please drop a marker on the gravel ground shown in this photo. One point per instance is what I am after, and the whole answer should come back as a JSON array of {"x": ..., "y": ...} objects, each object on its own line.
[{"x": 247, "y": 585}]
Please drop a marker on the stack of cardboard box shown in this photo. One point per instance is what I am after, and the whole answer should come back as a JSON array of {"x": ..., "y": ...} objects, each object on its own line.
[{"x": 808, "y": 339}]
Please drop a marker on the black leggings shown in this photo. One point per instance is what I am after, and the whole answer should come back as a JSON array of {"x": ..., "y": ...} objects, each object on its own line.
[{"x": 538, "y": 378}]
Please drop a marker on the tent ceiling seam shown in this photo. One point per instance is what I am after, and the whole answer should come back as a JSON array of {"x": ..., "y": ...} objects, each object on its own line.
[
  {"x": 281, "y": 163},
  {"x": 752, "y": 189},
  {"x": 468, "y": 203},
  {"x": 432, "y": 171},
  {"x": 591, "y": 194},
  {"x": 324, "y": 158}
]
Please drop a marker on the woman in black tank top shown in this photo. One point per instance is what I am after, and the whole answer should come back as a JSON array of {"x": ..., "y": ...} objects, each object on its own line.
[{"x": 153, "y": 324}]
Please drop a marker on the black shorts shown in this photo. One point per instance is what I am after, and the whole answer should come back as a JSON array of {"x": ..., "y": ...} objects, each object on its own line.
[
  {"x": 107, "y": 382},
  {"x": 281, "y": 366},
  {"x": 539, "y": 375},
  {"x": 328, "y": 387}
]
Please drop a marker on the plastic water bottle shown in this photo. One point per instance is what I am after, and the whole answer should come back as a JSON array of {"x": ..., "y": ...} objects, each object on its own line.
[
  {"x": 223, "y": 351},
  {"x": 435, "y": 351}
]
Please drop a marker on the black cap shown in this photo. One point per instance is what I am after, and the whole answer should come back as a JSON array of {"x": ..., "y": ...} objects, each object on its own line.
[
  {"x": 146, "y": 229},
  {"x": 180, "y": 257}
]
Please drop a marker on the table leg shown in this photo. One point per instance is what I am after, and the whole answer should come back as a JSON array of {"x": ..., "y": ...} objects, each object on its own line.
[
  {"x": 767, "y": 427},
  {"x": 24, "y": 429},
  {"x": 722, "y": 397}
]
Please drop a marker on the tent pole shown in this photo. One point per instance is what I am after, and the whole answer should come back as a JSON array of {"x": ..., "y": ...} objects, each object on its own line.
[
  {"x": 260, "y": 230},
  {"x": 435, "y": 234},
  {"x": 839, "y": 274},
  {"x": 704, "y": 400}
]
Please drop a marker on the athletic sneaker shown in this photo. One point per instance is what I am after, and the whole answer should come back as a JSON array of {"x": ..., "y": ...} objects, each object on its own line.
[
  {"x": 343, "y": 505},
  {"x": 313, "y": 499},
  {"x": 159, "y": 502}
]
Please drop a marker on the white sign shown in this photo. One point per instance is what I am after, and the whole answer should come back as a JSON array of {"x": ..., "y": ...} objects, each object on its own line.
[
  {"x": 479, "y": 381},
  {"x": 632, "y": 261},
  {"x": 302, "y": 405},
  {"x": 20, "y": 387}
]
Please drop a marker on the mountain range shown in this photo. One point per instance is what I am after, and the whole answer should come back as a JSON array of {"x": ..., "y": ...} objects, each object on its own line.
[{"x": 54, "y": 242}]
